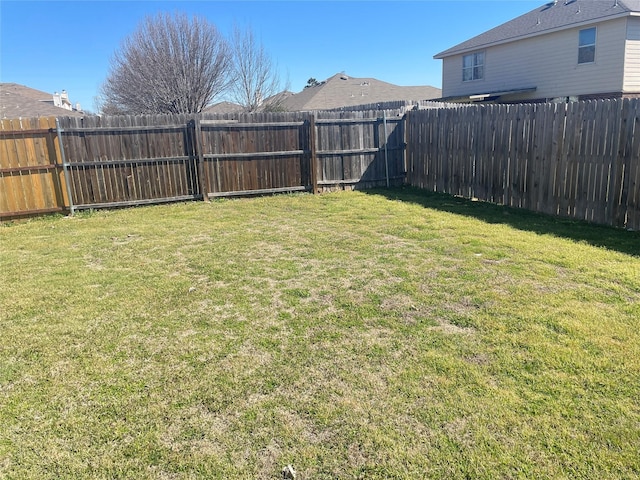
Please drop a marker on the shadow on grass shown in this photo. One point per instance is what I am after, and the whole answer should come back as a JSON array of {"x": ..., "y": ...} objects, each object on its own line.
[{"x": 600, "y": 236}]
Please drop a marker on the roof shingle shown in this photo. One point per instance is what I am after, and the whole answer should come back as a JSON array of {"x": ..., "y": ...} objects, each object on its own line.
[
  {"x": 19, "y": 101},
  {"x": 341, "y": 90}
]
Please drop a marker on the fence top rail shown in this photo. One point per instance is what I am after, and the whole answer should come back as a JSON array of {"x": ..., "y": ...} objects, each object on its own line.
[
  {"x": 286, "y": 153},
  {"x": 329, "y": 121},
  {"x": 17, "y": 133},
  {"x": 131, "y": 161},
  {"x": 140, "y": 128},
  {"x": 236, "y": 124},
  {"x": 30, "y": 168}
]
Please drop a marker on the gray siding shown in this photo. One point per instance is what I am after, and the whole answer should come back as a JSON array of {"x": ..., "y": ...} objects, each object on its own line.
[
  {"x": 548, "y": 62},
  {"x": 632, "y": 57}
]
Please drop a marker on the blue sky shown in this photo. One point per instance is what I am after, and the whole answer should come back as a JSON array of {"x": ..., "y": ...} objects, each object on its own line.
[{"x": 54, "y": 45}]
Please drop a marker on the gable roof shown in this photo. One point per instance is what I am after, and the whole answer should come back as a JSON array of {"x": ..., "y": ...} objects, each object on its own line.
[
  {"x": 550, "y": 17},
  {"x": 19, "y": 101},
  {"x": 223, "y": 107},
  {"x": 341, "y": 90}
]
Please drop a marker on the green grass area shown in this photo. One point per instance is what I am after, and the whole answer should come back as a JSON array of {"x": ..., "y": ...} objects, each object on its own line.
[{"x": 379, "y": 335}]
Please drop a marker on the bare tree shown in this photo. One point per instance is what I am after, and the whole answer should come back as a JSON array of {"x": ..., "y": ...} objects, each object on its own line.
[
  {"x": 256, "y": 83},
  {"x": 171, "y": 64}
]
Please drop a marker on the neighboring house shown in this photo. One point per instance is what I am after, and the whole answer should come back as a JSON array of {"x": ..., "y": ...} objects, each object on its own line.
[
  {"x": 18, "y": 101},
  {"x": 223, "y": 107},
  {"x": 563, "y": 51},
  {"x": 272, "y": 103},
  {"x": 343, "y": 91}
]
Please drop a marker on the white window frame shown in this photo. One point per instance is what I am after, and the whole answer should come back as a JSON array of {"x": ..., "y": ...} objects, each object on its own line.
[
  {"x": 476, "y": 68},
  {"x": 590, "y": 46}
]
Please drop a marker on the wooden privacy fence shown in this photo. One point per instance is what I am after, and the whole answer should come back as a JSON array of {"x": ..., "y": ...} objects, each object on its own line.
[
  {"x": 580, "y": 160},
  {"x": 131, "y": 160},
  {"x": 31, "y": 171},
  {"x": 268, "y": 153},
  {"x": 123, "y": 160},
  {"x": 93, "y": 162}
]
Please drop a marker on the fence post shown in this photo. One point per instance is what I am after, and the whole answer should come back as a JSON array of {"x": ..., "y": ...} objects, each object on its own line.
[
  {"x": 314, "y": 157},
  {"x": 386, "y": 154},
  {"x": 405, "y": 146},
  {"x": 196, "y": 131},
  {"x": 65, "y": 166}
]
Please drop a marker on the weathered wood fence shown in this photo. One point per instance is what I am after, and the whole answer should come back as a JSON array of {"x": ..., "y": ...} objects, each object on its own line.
[
  {"x": 122, "y": 160},
  {"x": 579, "y": 160},
  {"x": 96, "y": 162},
  {"x": 267, "y": 153}
]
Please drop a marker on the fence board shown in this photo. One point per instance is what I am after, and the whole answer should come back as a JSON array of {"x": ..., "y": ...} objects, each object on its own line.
[
  {"x": 629, "y": 117},
  {"x": 597, "y": 194},
  {"x": 633, "y": 200}
]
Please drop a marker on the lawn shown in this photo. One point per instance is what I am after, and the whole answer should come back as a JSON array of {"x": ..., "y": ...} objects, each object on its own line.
[{"x": 378, "y": 335}]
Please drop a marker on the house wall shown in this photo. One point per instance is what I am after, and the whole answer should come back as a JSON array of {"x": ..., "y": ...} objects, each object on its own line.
[
  {"x": 548, "y": 62},
  {"x": 632, "y": 57}
]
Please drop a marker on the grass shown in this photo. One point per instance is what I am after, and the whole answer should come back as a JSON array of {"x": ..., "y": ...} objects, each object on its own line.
[{"x": 388, "y": 334}]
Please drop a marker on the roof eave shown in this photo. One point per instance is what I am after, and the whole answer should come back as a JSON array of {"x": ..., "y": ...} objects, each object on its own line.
[
  {"x": 453, "y": 51},
  {"x": 481, "y": 97}
]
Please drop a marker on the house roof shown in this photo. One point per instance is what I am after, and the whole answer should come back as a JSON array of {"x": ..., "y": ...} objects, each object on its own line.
[
  {"x": 550, "y": 17},
  {"x": 223, "y": 107},
  {"x": 341, "y": 90},
  {"x": 19, "y": 101}
]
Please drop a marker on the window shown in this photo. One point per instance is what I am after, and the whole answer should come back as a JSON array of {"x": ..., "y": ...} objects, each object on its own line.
[
  {"x": 587, "y": 46},
  {"x": 473, "y": 67}
]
